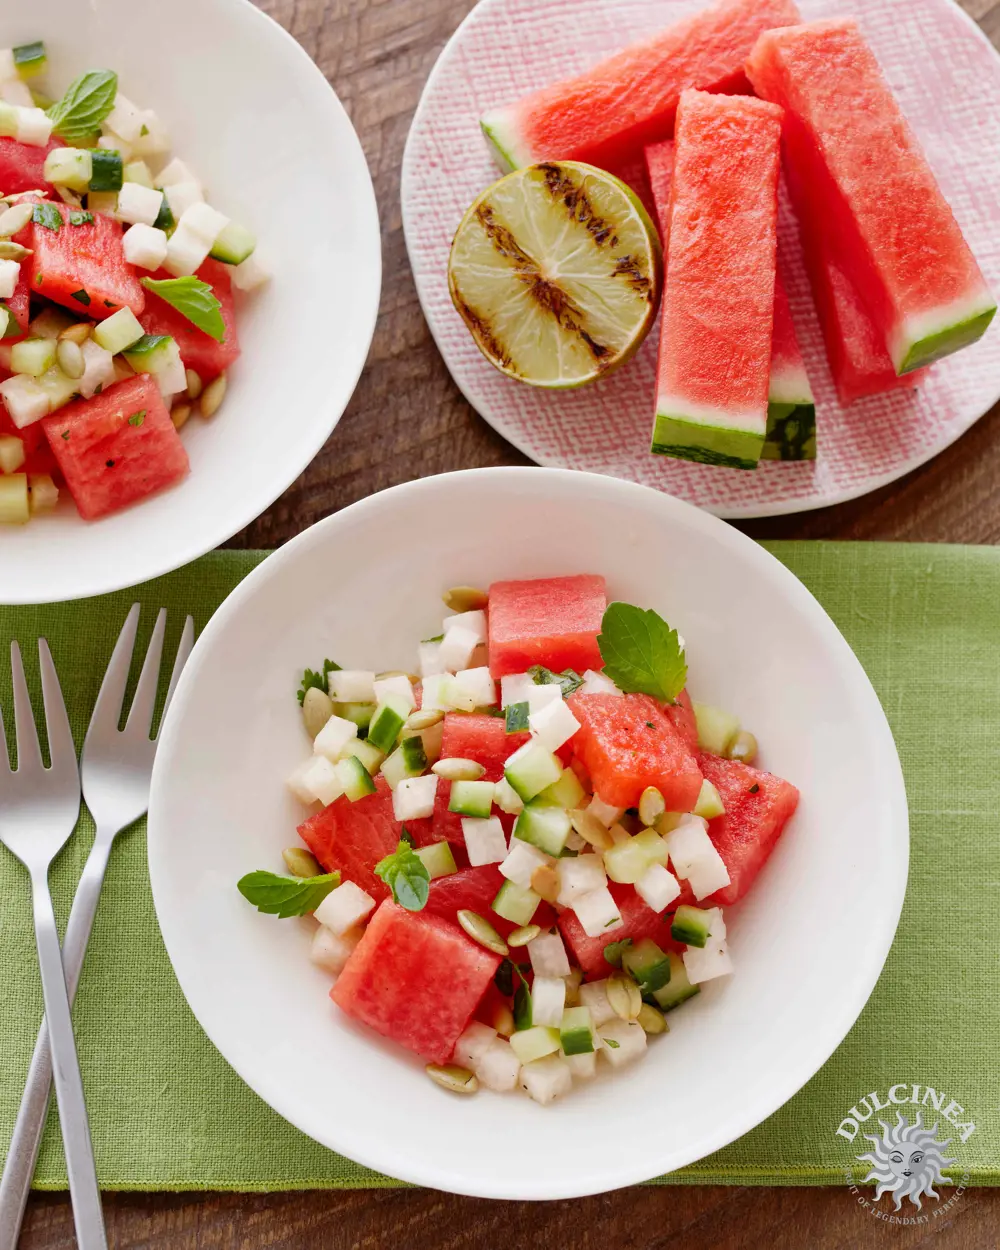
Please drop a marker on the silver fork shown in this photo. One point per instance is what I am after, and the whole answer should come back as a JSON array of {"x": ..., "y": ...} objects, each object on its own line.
[
  {"x": 39, "y": 808},
  {"x": 117, "y": 766}
]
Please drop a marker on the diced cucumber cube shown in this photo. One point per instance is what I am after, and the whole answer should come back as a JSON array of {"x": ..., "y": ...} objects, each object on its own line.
[
  {"x": 14, "y": 509},
  {"x": 709, "y": 803},
  {"x": 716, "y": 728},
  {"x": 531, "y": 768},
  {"x": 535, "y": 1043},
  {"x": 32, "y": 356},
  {"x": 471, "y": 798},
  {"x": 408, "y": 760},
  {"x": 355, "y": 778},
  {"x": 69, "y": 167},
  {"x": 678, "y": 989},
  {"x": 545, "y": 826},
  {"x": 691, "y": 925},
  {"x": 516, "y": 718},
  {"x": 363, "y": 750},
  {"x": 139, "y": 172},
  {"x": 8, "y": 120},
  {"x": 107, "y": 170},
  {"x": 515, "y": 903},
  {"x": 118, "y": 331},
  {"x": 626, "y": 861},
  {"x": 437, "y": 859},
  {"x": 165, "y": 220},
  {"x": 12, "y": 454},
  {"x": 566, "y": 792},
  {"x": 653, "y": 846},
  {"x": 360, "y": 713},
  {"x": 29, "y": 58},
  {"x": 647, "y": 964},
  {"x": 576, "y": 1035},
  {"x": 153, "y": 353},
  {"x": 388, "y": 719},
  {"x": 233, "y": 244}
]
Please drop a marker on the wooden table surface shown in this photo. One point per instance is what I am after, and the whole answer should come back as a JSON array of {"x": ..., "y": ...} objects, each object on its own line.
[{"x": 408, "y": 420}]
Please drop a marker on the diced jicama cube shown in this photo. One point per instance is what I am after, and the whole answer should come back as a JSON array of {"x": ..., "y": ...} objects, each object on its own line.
[
  {"x": 181, "y": 196},
  {"x": 546, "y": 1079},
  {"x": 521, "y": 863},
  {"x": 351, "y": 686},
  {"x": 413, "y": 798},
  {"x": 548, "y": 1000},
  {"x": 153, "y": 138},
  {"x": 597, "y": 683},
  {"x": 317, "y": 780},
  {"x": 125, "y": 119},
  {"x": 174, "y": 172},
  {"x": 8, "y": 66},
  {"x": 498, "y": 1067},
  {"x": 145, "y": 246},
  {"x": 457, "y": 647},
  {"x": 694, "y": 857},
  {"x": 333, "y": 737},
  {"x": 622, "y": 1041},
  {"x": 578, "y": 876},
  {"x": 507, "y": 798},
  {"x": 548, "y": 958},
  {"x": 473, "y": 1044},
  {"x": 14, "y": 91},
  {"x": 139, "y": 204},
  {"x": 582, "y": 1066},
  {"x": 473, "y": 621},
  {"x": 594, "y": 995},
  {"x": 186, "y": 253},
  {"x": 478, "y": 685},
  {"x": 522, "y": 688},
  {"x": 24, "y": 399},
  {"x": 249, "y": 273},
  {"x": 553, "y": 725},
  {"x": 34, "y": 127},
  {"x": 705, "y": 963},
  {"x": 429, "y": 659},
  {"x": 604, "y": 812},
  {"x": 115, "y": 143},
  {"x": 485, "y": 840},
  {"x": 657, "y": 887},
  {"x": 344, "y": 907},
  {"x": 98, "y": 369},
  {"x": 398, "y": 687},
  {"x": 597, "y": 912},
  {"x": 206, "y": 222},
  {"x": 10, "y": 272},
  {"x": 330, "y": 951}
]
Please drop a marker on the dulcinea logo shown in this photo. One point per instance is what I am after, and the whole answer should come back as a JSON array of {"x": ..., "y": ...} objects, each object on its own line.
[{"x": 907, "y": 1157}]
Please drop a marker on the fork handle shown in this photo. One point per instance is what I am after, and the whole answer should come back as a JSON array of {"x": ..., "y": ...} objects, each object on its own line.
[{"x": 15, "y": 1184}]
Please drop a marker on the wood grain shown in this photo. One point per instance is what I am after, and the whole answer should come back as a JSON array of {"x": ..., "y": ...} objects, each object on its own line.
[{"x": 408, "y": 420}]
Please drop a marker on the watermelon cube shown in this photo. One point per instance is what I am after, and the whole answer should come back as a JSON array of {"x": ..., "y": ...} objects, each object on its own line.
[
  {"x": 681, "y": 716},
  {"x": 551, "y": 620},
  {"x": 474, "y": 889},
  {"x": 857, "y": 173},
  {"x": 199, "y": 351},
  {"x": 718, "y": 298},
  {"x": 117, "y": 447},
  {"x": 17, "y": 305},
  {"x": 758, "y": 807},
  {"x": 629, "y": 742},
  {"x": 22, "y": 166},
  {"x": 416, "y": 979},
  {"x": 638, "y": 922},
  {"x": 84, "y": 267},
  {"x": 471, "y": 736}
]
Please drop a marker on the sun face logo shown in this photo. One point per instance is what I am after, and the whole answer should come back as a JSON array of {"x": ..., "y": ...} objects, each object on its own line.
[{"x": 906, "y": 1160}]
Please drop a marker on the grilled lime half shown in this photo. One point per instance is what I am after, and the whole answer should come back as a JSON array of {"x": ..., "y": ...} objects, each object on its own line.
[{"x": 556, "y": 269}]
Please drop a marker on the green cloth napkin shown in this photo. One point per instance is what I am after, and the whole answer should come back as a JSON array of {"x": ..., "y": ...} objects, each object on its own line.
[{"x": 168, "y": 1113}]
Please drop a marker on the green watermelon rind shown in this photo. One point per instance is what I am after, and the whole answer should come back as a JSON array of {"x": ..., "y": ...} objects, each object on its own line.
[
  {"x": 687, "y": 438},
  {"x": 943, "y": 342},
  {"x": 501, "y": 136},
  {"x": 791, "y": 432}
]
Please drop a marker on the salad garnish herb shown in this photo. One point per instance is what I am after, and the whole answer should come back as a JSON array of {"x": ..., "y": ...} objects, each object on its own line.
[
  {"x": 522, "y": 1002},
  {"x": 77, "y": 117},
  {"x": 46, "y": 214},
  {"x": 286, "y": 896},
  {"x": 405, "y": 873},
  {"x": 318, "y": 681},
  {"x": 641, "y": 653},
  {"x": 568, "y": 681},
  {"x": 193, "y": 299},
  {"x": 137, "y": 418}
]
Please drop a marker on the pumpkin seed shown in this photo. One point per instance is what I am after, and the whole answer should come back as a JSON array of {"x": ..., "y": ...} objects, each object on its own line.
[
  {"x": 317, "y": 708},
  {"x": 179, "y": 414},
  {"x": 194, "y": 385},
  {"x": 624, "y": 998},
  {"x": 482, "y": 931},
  {"x": 502, "y": 1019},
  {"x": 424, "y": 720},
  {"x": 14, "y": 219},
  {"x": 13, "y": 251},
  {"x": 300, "y": 862},
  {"x": 651, "y": 806},
  {"x": 212, "y": 396},
  {"x": 77, "y": 333},
  {"x": 652, "y": 1021},
  {"x": 458, "y": 770},
  {"x": 70, "y": 358},
  {"x": 464, "y": 598},
  {"x": 522, "y": 936},
  {"x": 450, "y": 1076},
  {"x": 743, "y": 747},
  {"x": 545, "y": 882},
  {"x": 591, "y": 830}
]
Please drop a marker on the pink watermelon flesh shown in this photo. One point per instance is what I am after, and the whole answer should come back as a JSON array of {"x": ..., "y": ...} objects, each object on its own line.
[
  {"x": 791, "y": 409},
  {"x": 718, "y": 299},
  {"x": 199, "y": 351},
  {"x": 416, "y": 979},
  {"x": 639, "y": 921},
  {"x": 474, "y": 889},
  {"x": 857, "y": 172},
  {"x": 613, "y": 110},
  {"x": 551, "y": 620},
  {"x": 629, "y": 742},
  {"x": 758, "y": 807},
  {"x": 84, "y": 267},
  {"x": 22, "y": 166},
  {"x": 117, "y": 447},
  {"x": 469, "y": 736}
]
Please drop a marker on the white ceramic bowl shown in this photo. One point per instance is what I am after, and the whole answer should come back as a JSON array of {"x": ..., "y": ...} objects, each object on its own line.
[
  {"x": 362, "y": 587},
  {"x": 254, "y": 117}
]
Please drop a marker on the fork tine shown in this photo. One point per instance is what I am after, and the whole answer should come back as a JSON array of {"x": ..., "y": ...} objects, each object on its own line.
[
  {"x": 28, "y": 751},
  {"x": 108, "y": 708},
  {"x": 141, "y": 713},
  {"x": 183, "y": 651},
  {"x": 4, "y": 760},
  {"x": 62, "y": 751}
]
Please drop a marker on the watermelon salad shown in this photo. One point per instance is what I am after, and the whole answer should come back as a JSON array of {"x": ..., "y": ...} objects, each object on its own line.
[
  {"x": 518, "y": 860},
  {"x": 894, "y": 281},
  {"x": 117, "y": 312}
]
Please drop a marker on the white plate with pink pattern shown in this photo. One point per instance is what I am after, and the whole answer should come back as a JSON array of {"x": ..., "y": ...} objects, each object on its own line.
[{"x": 947, "y": 77}]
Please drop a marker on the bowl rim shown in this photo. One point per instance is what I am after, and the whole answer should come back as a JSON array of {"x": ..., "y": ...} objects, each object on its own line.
[{"x": 866, "y": 968}]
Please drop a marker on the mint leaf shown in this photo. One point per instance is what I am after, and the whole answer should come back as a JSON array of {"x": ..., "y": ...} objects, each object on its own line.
[
  {"x": 614, "y": 950},
  {"x": 137, "y": 418},
  {"x": 568, "y": 681},
  {"x": 80, "y": 218},
  {"x": 77, "y": 117},
  {"x": 641, "y": 653},
  {"x": 46, "y": 214},
  {"x": 286, "y": 896},
  {"x": 319, "y": 681},
  {"x": 516, "y": 718},
  {"x": 610, "y": 1041},
  {"x": 405, "y": 874},
  {"x": 193, "y": 299},
  {"x": 522, "y": 1002}
]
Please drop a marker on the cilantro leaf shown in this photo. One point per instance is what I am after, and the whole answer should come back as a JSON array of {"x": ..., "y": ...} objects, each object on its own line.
[
  {"x": 193, "y": 299},
  {"x": 641, "y": 653},
  {"x": 614, "y": 950},
  {"x": 77, "y": 117},
  {"x": 319, "y": 681},
  {"x": 405, "y": 873},
  {"x": 286, "y": 896},
  {"x": 568, "y": 681}
]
